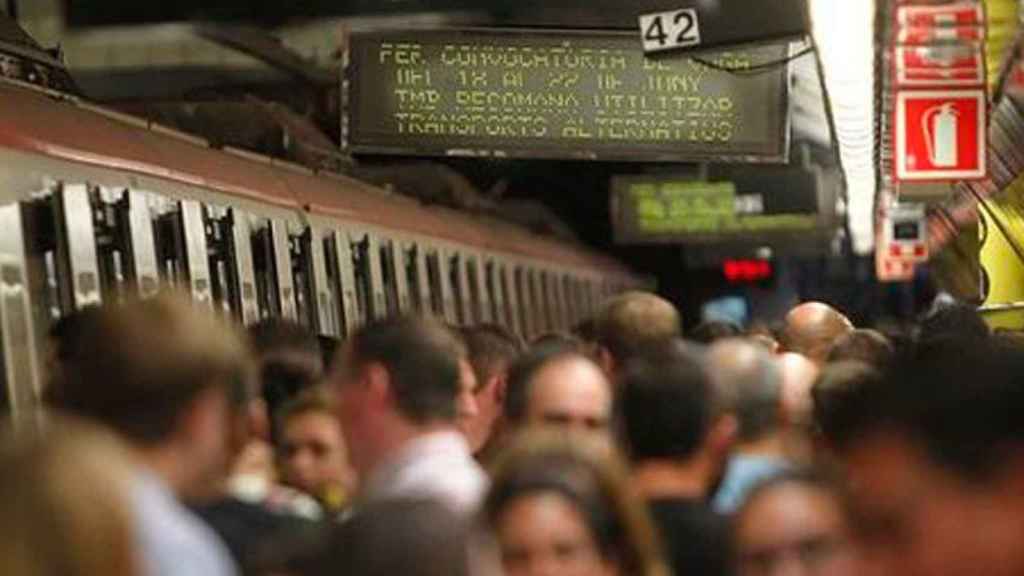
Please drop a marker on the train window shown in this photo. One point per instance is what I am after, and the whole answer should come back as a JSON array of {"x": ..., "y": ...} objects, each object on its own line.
[{"x": 435, "y": 284}]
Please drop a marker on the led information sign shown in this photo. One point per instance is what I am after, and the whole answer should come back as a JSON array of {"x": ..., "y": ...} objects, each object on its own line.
[
  {"x": 659, "y": 209},
  {"x": 559, "y": 94}
]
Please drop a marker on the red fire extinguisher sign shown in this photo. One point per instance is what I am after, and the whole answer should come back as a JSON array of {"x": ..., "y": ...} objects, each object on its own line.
[{"x": 940, "y": 135}]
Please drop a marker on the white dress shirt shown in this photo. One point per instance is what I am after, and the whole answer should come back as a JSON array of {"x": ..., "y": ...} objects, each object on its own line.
[
  {"x": 437, "y": 466},
  {"x": 174, "y": 541}
]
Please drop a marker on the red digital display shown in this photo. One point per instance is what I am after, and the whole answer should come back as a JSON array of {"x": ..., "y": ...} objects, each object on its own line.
[{"x": 747, "y": 270}]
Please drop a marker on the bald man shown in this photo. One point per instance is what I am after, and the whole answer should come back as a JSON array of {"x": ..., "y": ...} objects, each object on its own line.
[
  {"x": 630, "y": 324},
  {"x": 751, "y": 380},
  {"x": 812, "y": 329}
]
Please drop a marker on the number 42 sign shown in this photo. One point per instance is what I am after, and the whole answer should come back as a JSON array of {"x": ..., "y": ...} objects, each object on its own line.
[{"x": 670, "y": 30}]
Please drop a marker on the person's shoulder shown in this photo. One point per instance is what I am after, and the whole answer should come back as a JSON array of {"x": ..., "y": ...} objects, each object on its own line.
[{"x": 176, "y": 541}]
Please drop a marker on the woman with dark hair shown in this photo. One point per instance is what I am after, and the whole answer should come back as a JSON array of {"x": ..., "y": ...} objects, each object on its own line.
[
  {"x": 561, "y": 504},
  {"x": 795, "y": 523}
]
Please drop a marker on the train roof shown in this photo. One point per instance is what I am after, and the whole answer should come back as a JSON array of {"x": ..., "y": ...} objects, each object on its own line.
[{"x": 65, "y": 128}]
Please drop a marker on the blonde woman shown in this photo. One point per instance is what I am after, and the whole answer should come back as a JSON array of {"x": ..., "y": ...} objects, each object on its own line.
[{"x": 65, "y": 509}]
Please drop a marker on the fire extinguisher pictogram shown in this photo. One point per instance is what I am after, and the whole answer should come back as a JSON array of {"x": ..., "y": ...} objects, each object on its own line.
[{"x": 941, "y": 139}]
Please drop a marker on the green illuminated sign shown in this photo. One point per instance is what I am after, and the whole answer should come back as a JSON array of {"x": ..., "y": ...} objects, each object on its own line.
[{"x": 652, "y": 210}]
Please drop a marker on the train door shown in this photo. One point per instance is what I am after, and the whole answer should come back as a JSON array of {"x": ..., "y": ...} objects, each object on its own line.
[
  {"x": 506, "y": 287},
  {"x": 536, "y": 289},
  {"x": 60, "y": 231},
  {"x": 446, "y": 288},
  {"x": 325, "y": 306},
  {"x": 557, "y": 302},
  {"x": 225, "y": 282},
  {"x": 341, "y": 280},
  {"x": 180, "y": 237},
  {"x": 19, "y": 341},
  {"x": 419, "y": 278},
  {"x": 492, "y": 286},
  {"x": 521, "y": 289},
  {"x": 272, "y": 268},
  {"x": 125, "y": 247},
  {"x": 588, "y": 296},
  {"x": 403, "y": 271},
  {"x": 572, "y": 316},
  {"x": 460, "y": 286},
  {"x": 393, "y": 280},
  {"x": 235, "y": 285},
  {"x": 479, "y": 294},
  {"x": 369, "y": 276}
]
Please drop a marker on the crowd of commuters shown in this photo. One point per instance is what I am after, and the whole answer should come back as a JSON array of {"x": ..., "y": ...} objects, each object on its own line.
[{"x": 173, "y": 442}]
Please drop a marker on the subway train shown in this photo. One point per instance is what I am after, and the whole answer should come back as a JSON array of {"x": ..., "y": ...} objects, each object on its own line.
[{"x": 98, "y": 205}]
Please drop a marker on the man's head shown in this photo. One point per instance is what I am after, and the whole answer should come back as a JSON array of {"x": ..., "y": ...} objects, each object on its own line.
[
  {"x": 712, "y": 331},
  {"x": 289, "y": 360},
  {"x": 839, "y": 400},
  {"x": 631, "y": 323},
  {"x": 812, "y": 328},
  {"x": 753, "y": 380},
  {"x": 165, "y": 374},
  {"x": 862, "y": 345},
  {"x": 953, "y": 320},
  {"x": 394, "y": 379},
  {"x": 937, "y": 461},
  {"x": 492, "y": 349},
  {"x": 312, "y": 453},
  {"x": 560, "y": 387},
  {"x": 673, "y": 411}
]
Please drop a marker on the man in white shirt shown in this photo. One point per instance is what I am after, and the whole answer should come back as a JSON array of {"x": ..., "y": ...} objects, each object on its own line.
[
  {"x": 163, "y": 374},
  {"x": 397, "y": 383}
]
